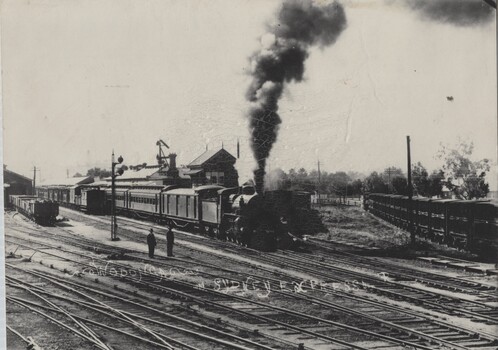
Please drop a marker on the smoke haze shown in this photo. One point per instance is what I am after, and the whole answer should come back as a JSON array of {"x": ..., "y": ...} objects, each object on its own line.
[
  {"x": 457, "y": 12},
  {"x": 284, "y": 49}
]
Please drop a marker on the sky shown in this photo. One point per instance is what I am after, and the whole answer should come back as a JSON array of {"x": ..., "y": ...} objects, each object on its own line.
[{"x": 83, "y": 78}]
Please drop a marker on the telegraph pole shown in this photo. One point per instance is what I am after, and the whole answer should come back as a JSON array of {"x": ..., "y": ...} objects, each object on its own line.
[
  {"x": 34, "y": 180},
  {"x": 318, "y": 187},
  {"x": 113, "y": 202},
  {"x": 410, "y": 192}
]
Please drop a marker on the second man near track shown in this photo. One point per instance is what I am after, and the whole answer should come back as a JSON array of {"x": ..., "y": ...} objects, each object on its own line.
[
  {"x": 170, "y": 238},
  {"x": 151, "y": 242}
]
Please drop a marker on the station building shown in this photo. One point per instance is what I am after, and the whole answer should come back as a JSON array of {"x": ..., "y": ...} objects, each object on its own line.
[
  {"x": 214, "y": 167},
  {"x": 211, "y": 167}
]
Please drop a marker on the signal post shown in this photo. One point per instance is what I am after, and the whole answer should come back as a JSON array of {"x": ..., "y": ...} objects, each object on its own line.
[{"x": 114, "y": 173}]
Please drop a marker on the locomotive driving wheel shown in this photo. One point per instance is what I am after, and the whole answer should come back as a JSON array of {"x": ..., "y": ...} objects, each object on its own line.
[{"x": 262, "y": 238}]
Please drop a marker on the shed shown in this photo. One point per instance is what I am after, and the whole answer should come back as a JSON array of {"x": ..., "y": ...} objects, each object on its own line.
[{"x": 14, "y": 183}]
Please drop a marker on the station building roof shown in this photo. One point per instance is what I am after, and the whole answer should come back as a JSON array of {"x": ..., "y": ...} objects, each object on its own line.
[
  {"x": 142, "y": 174},
  {"x": 207, "y": 156},
  {"x": 70, "y": 181}
]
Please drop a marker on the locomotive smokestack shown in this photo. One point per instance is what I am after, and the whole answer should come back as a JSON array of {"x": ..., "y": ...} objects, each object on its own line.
[{"x": 299, "y": 25}]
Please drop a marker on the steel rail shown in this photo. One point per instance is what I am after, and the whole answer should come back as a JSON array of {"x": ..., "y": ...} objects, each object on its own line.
[
  {"x": 323, "y": 302},
  {"x": 62, "y": 283},
  {"x": 277, "y": 259},
  {"x": 75, "y": 331},
  {"x": 123, "y": 319},
  {"x": 367, "y": 261},
  {"x": 458, "y": 329},
  {"x": 90, "y": 332},
  {"x": 17, "y": 333},
  {"x": 319, "y": 301},
  {"x": 388, "y": 323},
  {"x": 266, "y": 319},
  {"x": 99, "y": 324}
]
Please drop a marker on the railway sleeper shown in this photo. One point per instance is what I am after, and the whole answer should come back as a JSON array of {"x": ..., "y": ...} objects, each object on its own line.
[
  {"x": 480, "y": 344},
  {"x": 456, "y": 337},
  {"x": 441, "y": 334}
]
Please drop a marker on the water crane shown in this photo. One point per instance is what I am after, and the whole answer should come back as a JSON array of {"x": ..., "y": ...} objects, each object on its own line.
[{"x": 161, "y": 156}]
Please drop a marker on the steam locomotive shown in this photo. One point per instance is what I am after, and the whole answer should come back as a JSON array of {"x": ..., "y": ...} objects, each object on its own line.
[
  {"x": 263, "y": 222},
  {"x": 43, "y": 212},
  {"x": 468, "y": 224}
]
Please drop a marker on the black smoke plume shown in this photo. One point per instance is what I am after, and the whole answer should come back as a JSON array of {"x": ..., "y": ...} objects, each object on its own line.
[
  {"x": 299, "y": 25},
  {"x": 463, "y": 13}
]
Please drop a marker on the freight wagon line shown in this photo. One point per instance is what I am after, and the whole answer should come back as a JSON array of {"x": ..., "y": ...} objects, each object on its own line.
[{"x": 469, "y": 224}]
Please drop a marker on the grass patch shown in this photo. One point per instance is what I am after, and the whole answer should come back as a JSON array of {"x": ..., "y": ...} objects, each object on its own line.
[{"x": 355, "y": 225}]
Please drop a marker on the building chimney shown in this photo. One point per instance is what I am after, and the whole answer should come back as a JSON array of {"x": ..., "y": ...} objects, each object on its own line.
[{"x": 172, "y": 161}]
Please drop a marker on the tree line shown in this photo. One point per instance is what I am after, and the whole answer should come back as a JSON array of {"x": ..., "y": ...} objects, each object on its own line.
[{"x": 465, "y": 178}]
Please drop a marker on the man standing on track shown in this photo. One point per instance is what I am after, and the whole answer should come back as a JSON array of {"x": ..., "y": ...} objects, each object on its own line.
[
  {"x": 170, "y": 238},
  {"x": 151, "y": 242}
]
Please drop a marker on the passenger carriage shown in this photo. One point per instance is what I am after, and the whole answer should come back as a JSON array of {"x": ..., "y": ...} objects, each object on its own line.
[{"x": 92, "y": 200}]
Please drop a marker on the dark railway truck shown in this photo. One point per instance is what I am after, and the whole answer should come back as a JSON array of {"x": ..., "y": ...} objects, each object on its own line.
[
  {"x": 43, "y": 212},
  {"x": 466, "y": 224}
]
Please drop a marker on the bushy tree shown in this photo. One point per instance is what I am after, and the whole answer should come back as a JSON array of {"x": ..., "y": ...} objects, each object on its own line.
[
  {"x": 420, "y": 178},
  {"x": 464, "y": 177},
  {"x": 400, "y": 185},
  {"x": 436, "y": 183},
  {"x": 424, "y": 184},
  {"x": 374, "y": 183},
  {"x": 97, "y": 172},
  {"x": 355, "y": 187}
]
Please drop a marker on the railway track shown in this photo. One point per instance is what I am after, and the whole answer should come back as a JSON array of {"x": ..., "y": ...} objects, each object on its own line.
[
  {"x": 283, "y": 323},
  {"x": 136, "y": 325},
  {"x": 476, "y": 310},
  {"x": 482, "y": 310},
  {"x": 401, "y": 273},
  {"x": 442, "y": 335}
]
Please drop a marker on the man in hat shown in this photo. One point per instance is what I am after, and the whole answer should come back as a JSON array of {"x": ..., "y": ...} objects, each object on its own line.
[
  {"x": 151, "y": 242},
  {"x": 170, "y": 238}
]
